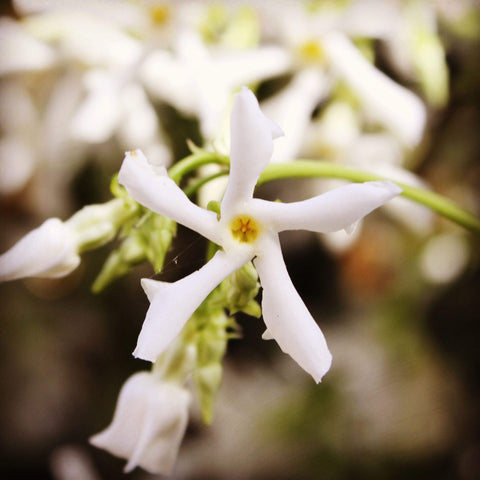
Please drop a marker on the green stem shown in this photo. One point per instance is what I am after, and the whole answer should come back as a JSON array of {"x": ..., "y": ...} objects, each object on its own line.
[
  {"x": 314, "y": 168},
  {"x": 191, "y": 189},
  {"x": 194, "y": 161}
]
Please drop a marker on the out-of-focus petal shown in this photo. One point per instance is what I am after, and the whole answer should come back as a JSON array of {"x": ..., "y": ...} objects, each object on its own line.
[
  {"x": 252, "y": 135},
  {"x": 100, "y": 112},
  {"x": 148, "y": 425},
  {"x": 247, "y": 67},
  {"x": 292, "y": 109},
  {"x": 329, "y": 212},
  {"x": 20, "y": 52},
  {"x": 165, "y": 78},
  {"x": 47, "y": 251},
  {"x": 287, "y": 318},
  {"x": 398, "y": 108},
  {"x": 172, "y": 304},
  {"x": 17, "y": 163},
  {"x": 85, "y": 38},
  {"x": 152, "y": 187}
]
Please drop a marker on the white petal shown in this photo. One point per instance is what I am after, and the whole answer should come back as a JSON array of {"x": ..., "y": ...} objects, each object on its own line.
[
  {"x": 251, "y": 66},
  {"x": 100, "y": 112},
  {"x": 292, "y": 109},
  {"x": 85, "y": 38},
  {"x": 251, "y": 149},
  {"x": 153, "y": 188},
  {"x": 148, "y": 425},
  {"x": 286, "y": 316},
  {"x": 21, "y": 52},
  {"x": 398, "y": 108},
  {"x": 165, "y": 77},
  {"x": 172, "y": 304},
  {"x": 332, "y": 211},
  {"x": 47, "y": 251},
  {"x": 17, "y": 163}
]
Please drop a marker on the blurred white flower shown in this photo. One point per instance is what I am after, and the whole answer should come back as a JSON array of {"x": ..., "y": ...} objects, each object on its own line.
[
  {"x": 198, "y": 81},
  {"x": 248, "y": 229},
  {"x": 52, "y": 250},
  {"x": 148, "y": 425}
]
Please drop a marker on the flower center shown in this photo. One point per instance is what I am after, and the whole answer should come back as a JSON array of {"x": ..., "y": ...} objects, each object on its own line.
[{"x": 244, "y": 229}]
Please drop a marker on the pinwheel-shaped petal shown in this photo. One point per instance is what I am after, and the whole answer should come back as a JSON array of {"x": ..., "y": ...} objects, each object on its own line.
[{"x": 248, "y": 229}]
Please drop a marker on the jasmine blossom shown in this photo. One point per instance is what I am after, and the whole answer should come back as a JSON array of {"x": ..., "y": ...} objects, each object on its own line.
[{"x": 247, "y": 229}]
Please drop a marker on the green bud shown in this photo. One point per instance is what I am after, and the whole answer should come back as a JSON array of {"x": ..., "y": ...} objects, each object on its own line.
[
  {"x": 120, "y": 262},
  {"x": 207, "y": 382},
  {"x": 241, "y": 288},
  {"x": 95, "y": 225},
  {"x": 214, "y": 206}
]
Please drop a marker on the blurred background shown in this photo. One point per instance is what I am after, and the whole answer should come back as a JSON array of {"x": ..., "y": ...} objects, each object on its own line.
[{"x": 391, "y": 87}]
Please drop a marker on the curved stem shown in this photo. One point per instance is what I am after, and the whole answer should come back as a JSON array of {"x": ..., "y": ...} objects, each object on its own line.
[
  {"x": 314, "y": 168},
  {"x": 192, "y": 162},
  {"x": 191, "y": 189}
]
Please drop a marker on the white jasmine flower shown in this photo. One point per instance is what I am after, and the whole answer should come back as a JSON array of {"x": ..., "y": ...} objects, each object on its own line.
[
  {"x": 148, "y": 425},
  {"x": 248, "y": 229}
]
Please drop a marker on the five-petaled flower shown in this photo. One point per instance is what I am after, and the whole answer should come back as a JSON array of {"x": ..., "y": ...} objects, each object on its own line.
[{"x": 247, "y": 229}]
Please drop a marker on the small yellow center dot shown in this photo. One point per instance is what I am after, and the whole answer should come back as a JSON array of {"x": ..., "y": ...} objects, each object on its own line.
[
  {"x": 244, "y": 229},
  {"x": 159, "y": 14},
  {"x": 311, "y": 52}
]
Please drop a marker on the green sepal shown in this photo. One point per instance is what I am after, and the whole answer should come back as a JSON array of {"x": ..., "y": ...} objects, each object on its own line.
[{"x": 147, "y": 239}]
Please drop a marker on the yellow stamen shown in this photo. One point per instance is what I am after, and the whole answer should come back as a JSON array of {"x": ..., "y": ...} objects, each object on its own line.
[{"x": 244, "y": 229}]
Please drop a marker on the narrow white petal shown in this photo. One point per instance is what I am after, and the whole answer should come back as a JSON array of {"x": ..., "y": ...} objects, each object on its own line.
[
  {"x": 98, "y": 115},
  {"x": 286, "y": 316},
  {"x": 398, "y": 108},
  {"x": 152, "y": 187},
  {"x": 292, "y": 109},
  {"x": 165, "y": 78},
  {"x": 251, "y": 149},
  {"x": 247, "y": 67},
  {"x": 172, "y": 304},
  {"x": 332, "y": 211},
  {"x": 47, "y": 251},
  {"x": 17, "y": 163}
]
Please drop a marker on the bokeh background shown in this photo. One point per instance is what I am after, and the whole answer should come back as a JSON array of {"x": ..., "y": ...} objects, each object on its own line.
[{"x": 399, "y": 305}]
